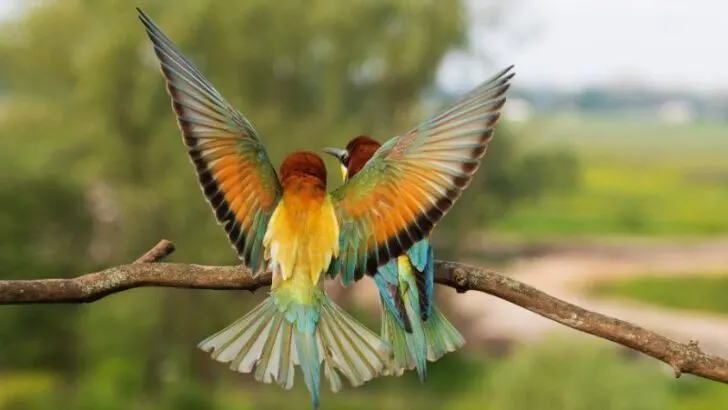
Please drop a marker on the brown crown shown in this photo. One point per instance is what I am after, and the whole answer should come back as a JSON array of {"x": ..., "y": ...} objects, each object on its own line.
[
  {"x": 360, "y": 149},
  {"x": 303, "y": 164}
]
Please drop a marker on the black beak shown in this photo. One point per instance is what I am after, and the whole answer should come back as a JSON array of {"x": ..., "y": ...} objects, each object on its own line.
[{"x": 339, "y": 153}]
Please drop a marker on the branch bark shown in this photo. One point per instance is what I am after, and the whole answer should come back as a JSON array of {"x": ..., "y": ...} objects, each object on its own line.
[{"x": 683, "y": 357}]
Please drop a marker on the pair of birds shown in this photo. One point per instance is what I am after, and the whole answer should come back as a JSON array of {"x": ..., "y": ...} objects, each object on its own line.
[{"x": 377, "y": 223}]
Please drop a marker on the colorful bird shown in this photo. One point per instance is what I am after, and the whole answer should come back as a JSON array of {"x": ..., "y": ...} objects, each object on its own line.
[
  {"x": 289, "y": 224},
  {"x": 416, "y": 329},
  {"x": 411, "y": 324}
]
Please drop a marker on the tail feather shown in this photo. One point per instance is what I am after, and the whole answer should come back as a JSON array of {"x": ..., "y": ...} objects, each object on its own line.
[
  {"x": 406, "y": 287},
  {"x": 428, "y": 341},
  {"x": 404, "y": 348},
  {"x": 307, "y": 346},
  {"x": 275, "y": 337},
  {"x": 389, "y": 286},
  {"x": 243, "y": 335},
  {"x": 358, "y": 353},
  {"x": 442, "y": 337},
  {"x": 282, "y": 358},
  {"x": 271, "y": 354}
]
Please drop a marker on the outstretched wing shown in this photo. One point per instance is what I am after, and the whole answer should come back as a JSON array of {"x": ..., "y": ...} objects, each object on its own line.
[
  {"x": 232, "y": 165},
  {"x": 413, "y": 180}
]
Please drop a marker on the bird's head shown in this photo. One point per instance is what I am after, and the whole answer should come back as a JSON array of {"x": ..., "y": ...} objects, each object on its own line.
[
  {"x": 306, "y": 165},
  {"x": 356, "y": 154}
]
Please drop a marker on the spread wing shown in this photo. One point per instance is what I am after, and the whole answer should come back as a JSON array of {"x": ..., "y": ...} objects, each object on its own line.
[
  {"x": 232, "y": 165},
  {"x": 413, "y": 180}
]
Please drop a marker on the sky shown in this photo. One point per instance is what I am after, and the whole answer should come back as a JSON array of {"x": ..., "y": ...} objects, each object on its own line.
[
  {"x": 674, "y": 44},
  {"x": 7, "y": 6},
  {"x": 670, "y": 44}
]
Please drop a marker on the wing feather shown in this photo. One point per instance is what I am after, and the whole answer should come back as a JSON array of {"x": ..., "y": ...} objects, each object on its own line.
[
  {"x": 232, "y": 166},
  {"x": 413, "y": 180}
]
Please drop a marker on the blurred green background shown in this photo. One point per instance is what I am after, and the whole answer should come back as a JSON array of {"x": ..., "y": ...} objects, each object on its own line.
[{"x": 94, "y": 173}]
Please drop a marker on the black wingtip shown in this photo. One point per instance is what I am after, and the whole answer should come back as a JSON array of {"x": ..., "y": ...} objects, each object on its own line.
[
  {"x": 145, "y": 19},
  {"x": 503, "y": 77},
  {"x": 141, "y": 15}
]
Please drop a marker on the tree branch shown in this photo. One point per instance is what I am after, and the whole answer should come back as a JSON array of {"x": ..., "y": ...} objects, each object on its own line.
[
  {"x": 684, "y": 358},
  {"x": 157, "y": 253}
]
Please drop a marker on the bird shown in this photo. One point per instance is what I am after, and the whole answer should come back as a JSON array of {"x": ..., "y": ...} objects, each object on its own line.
[
  {"x": 290, "y": 224},
  {"x": 411, "y": 323}
]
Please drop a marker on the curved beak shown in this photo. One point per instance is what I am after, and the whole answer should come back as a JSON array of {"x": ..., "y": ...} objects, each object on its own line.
[
  {"x": 337, "y": 152},
  {"x": 340, "y": 154}
]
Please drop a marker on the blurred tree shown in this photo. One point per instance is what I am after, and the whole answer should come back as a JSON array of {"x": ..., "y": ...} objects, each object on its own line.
[
  {"x": 593, "y": 99},
  {"x": 505, "y": 179},
  {"x": 45, "y": 231}
]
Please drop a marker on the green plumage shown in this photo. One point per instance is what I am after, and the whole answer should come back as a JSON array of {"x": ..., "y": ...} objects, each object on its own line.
[{"x": 432, "y": 335}]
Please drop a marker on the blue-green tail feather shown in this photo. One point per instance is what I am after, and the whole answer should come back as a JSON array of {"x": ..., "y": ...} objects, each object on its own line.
[
  {"x": 387, "y": 282},
  {"x": 281, "y": 333},
  {"x": 308, "y": 355},
  {"x": 406, "y": 291},
  {"x": 442, "y": 337},
  {"x": 422, "y": 258}
]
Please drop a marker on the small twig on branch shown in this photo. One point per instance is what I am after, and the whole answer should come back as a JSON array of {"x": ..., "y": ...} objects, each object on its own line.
[
  {"x": 683, "y": 357},
  {"x": 157, "y": 253}
]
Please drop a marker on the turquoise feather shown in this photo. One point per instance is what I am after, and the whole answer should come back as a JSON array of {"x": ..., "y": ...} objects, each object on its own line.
[{"x": 431, "y": 335}]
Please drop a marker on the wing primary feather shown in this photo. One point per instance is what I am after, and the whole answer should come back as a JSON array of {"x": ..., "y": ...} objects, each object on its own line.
[
  {"x": 233, "y": 169},
  {"x": 496, "y": 82},
  {"x": 414, "y": 179}
]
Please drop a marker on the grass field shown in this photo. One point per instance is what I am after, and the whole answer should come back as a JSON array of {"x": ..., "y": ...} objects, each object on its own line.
[
  {"x": 638, "y": 177},
  {"x": 705, "y": 293}
]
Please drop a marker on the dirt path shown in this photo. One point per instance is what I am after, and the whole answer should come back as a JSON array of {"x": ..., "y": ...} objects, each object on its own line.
[{"x": 567, "y": 273}]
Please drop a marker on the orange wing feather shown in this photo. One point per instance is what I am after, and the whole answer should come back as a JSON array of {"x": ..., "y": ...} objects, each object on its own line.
[
  {"x": 232, "y": 165},
  {"x": 413, "y": 180}
]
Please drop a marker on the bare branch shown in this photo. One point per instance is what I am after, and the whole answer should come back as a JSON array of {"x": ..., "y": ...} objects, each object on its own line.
[
  {"x": 157, "y": 253},
  {"x": 683, "y": 357}
]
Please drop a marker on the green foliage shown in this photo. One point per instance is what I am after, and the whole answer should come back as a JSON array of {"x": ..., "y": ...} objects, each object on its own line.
[
  {"x": 636, "y": 177},
  {"x": 705, "y": 293},
  {"x": 505, "y": 180},
  {"x": 27, "y": 391},
  {"x": 630, "y": 139},
  {"x": 46, "y": 231}
]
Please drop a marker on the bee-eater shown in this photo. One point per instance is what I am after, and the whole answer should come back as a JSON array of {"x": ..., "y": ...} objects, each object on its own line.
[
  {"x": 411, "y": 324},
  {"x": 289, "y": 224}
]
